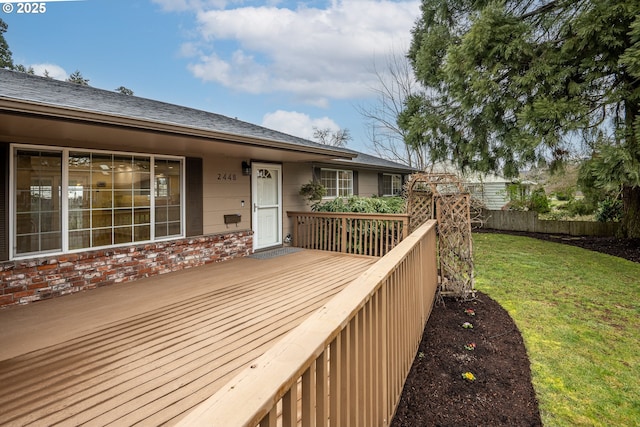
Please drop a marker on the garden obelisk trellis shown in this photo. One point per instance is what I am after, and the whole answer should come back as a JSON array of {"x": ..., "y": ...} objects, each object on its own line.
[{"x": 443, "y": 197}]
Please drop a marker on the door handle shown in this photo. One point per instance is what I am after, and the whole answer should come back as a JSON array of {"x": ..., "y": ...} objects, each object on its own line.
[{"x": 255, "y": 207}]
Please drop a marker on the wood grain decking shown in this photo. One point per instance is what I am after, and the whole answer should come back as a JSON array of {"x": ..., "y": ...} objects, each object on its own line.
[{"x": 146, "y": 353}]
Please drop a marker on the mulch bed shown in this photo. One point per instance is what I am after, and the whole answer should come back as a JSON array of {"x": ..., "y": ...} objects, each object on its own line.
[{"x": 436, "y": 394}]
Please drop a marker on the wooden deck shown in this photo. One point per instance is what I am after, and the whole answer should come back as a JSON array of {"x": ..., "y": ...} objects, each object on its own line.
[{"x": 146, "y": 353}]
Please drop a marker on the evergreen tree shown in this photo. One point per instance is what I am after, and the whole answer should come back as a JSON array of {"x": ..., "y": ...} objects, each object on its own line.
[
  {"x": 77, "y": 78},
  {"x": 124, "y": 90},
  {"x": 22, "y": 69},
  {"x": 509, "y": 82},
  {"x": 6, "y": 60}
]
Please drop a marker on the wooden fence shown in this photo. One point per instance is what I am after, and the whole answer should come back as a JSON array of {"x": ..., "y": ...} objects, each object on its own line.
[
  {"x": 354, "y": 233},
  {"x": 528, "y": 221},
  {"x": 347, "y": 363}
]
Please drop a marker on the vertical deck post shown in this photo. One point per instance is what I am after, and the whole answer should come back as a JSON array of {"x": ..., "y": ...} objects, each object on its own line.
[{"x": 343, "y": 235}]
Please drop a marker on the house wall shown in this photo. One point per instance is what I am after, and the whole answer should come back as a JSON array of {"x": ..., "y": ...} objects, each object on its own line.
[
  {"x": 493, "y": 194},
  {"x": 294, "y": 176},
  {"x": 368, "y": 183},
  {"x": 224, "y": 190}
]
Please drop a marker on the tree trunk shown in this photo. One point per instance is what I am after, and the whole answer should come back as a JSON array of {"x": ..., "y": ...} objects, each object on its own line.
[{"x": 631, "y": 212}]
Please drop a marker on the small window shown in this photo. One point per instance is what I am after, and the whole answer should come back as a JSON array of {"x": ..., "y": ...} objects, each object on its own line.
[
  {"x": 391, "y": 184},
  {"x": 339, "y": 183}
]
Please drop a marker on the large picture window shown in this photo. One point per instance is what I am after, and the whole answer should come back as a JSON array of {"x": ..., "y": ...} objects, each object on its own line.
[
  {"x": 339, "y": 183},
  {"x": 109, "y": 199}
]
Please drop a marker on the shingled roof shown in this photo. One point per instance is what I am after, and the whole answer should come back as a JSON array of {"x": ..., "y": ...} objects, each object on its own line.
[
  {"x": 373, "y": 162},
  {"x": 44, "y": 91},
  {"x": 64, "y": 96}
]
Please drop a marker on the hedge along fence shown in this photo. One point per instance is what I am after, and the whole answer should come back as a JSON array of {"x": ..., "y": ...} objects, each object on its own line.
[{"x": 528, "y": 221}]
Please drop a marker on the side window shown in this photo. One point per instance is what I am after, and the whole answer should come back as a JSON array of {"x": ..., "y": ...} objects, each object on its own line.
[
  {"x": 339, "y": 183},
  {"x": 391, "y": 184}
]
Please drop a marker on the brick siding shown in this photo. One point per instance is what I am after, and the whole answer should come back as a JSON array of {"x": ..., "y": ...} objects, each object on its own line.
[{"x": 28, "y": 280}]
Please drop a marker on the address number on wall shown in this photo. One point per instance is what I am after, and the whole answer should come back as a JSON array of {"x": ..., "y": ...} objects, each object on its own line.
[{"x": 227, "y": 177}]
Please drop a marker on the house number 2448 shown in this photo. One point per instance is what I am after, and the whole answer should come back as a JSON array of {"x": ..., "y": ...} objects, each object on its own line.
[{"x": 227, "y": 177}]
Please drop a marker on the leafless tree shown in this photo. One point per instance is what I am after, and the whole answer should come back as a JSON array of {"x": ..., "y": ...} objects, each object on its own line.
[
  {"x": 335, "y": 138},
  {"x": 395, "y": 83}
]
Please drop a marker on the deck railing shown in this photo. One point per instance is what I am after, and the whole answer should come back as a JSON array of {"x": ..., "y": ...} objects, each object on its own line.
[
  {"x": 346, "y": 364},
  {"x": 354, "y": 233}
]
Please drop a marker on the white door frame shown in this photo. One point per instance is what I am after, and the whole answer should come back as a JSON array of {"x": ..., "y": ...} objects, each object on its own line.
[{"x": 255, "y": 217}]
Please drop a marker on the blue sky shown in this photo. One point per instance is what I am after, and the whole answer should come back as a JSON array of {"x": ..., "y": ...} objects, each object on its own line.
[{"x": 285, "y": 65}]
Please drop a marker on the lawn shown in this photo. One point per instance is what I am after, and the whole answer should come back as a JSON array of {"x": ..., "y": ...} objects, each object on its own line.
[{"x": 579, "y": 314}]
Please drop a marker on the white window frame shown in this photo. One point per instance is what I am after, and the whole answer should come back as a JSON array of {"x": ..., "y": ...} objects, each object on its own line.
[
  {"x": 337, "y": 182},
  {"x": 65, "y": 202}
]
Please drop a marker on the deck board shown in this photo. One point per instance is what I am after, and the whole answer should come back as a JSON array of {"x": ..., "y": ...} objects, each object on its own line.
[{"x": 148, "y": 352}]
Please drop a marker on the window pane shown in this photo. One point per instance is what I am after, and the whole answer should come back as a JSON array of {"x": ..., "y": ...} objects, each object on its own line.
[
  {"x": 101, "y": 199},
  {"x": 173, "y": 213},
  {"x": 123, "y": 217},
  {"x": 167, "y": 197},
  {"x": 141, "y": 198},
  {"x": 101, "y": 218},
  {"x": 345, "y": 183},
  {"x": 161, "y": 229},
  {"x": 328, "y": 180},
  {"x": 123, "y": 199},
  {"x": 79, "y": 239},
  {"x": 51, "y": 241},
  {"x": 174, "y": 228},
  {"x": 38, "y": 219},
  {"x": 27, "y": 223},
  {"x": 27, "y": 243},
  {"x": 161, "y": 214},
  {"x": 79, "y": 219},
  {"x": 122, "y": 235},
  {"x": 386, "y": 185},
  {"x": 142, "y": 233},
  {"x": 102, "y": 237},
  {"x": 397, "y": 184},
  {"x": 142, "y": 216}
]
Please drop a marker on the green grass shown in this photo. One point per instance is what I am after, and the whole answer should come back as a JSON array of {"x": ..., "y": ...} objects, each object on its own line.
[{"x": 579, "y": 314}]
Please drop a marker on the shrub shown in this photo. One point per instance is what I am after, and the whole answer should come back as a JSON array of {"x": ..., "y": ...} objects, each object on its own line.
[
  {"x": 313, "y": 192},
  {"x": 609, "y": 210},
  {"x": 363, "y": 205},
  {"x": 539, "y": 201},
  {"x": 565, "y": 194},
  {"x": 580, "y": 208}
]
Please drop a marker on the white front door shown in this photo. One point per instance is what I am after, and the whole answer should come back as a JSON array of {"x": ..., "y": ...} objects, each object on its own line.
[{"x": 266, "y": 183}]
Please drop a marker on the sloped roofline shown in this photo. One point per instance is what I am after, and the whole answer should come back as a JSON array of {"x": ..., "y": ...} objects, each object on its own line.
[{"x": 27, "y": 94}]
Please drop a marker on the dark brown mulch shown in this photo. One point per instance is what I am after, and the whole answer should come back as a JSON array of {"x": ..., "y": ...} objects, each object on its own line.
[{"x": 435, "y": 393}]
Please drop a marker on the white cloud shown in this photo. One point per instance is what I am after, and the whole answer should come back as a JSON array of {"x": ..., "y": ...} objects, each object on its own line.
[
  {"x": 315, "y": 54},
  {"x": 297, "y": 124},
  {"x": 54, "y": 71}
]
